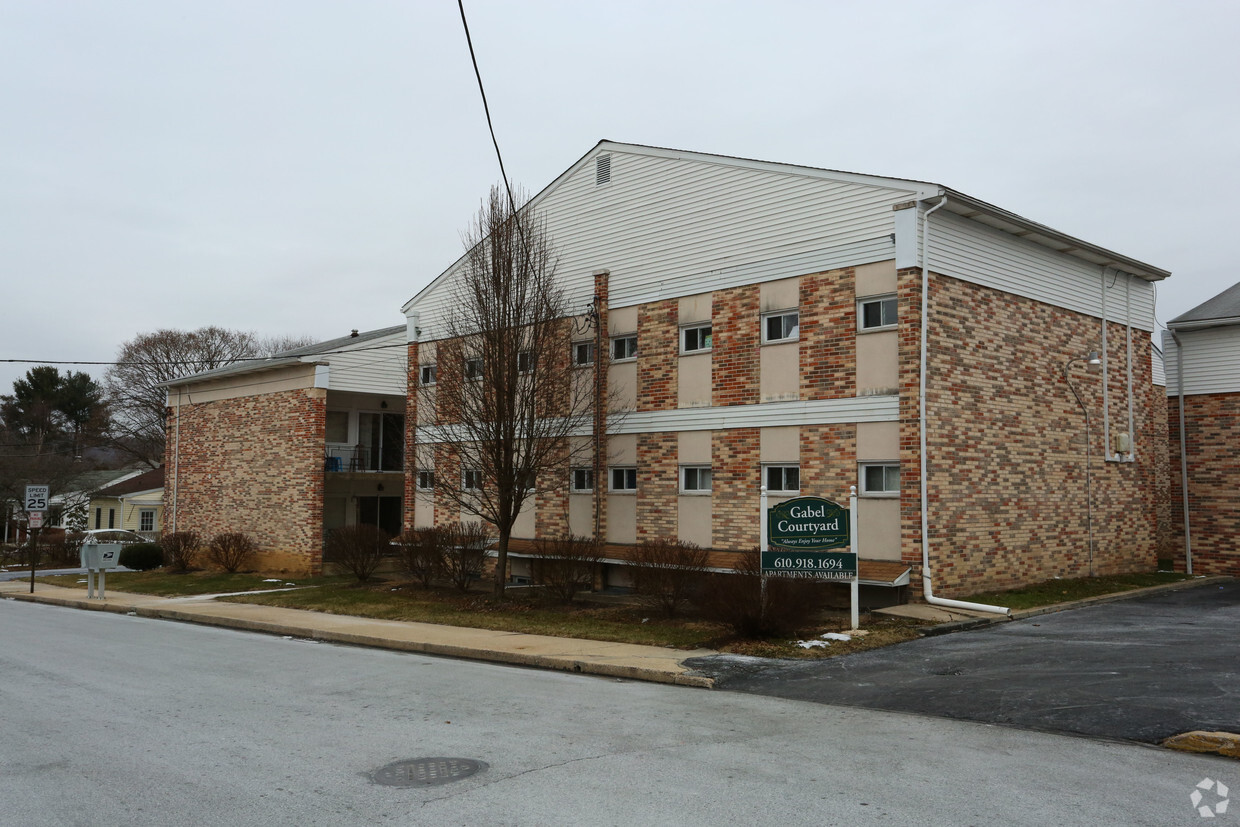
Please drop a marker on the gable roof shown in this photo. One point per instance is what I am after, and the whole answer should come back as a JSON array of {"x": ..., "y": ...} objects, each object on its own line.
[
  {"x": 957, "y": 202},
  {"x": 296, "y": 356},
  {"x": 1220, "y": 311},
  {"x": 146, "y": 481}
]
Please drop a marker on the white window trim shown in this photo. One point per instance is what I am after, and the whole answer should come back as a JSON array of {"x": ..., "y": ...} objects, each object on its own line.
[
  {"x": 685, "y": 328},
  {"x": 593, "y": 354},
  {"x": 777, "y": 314},
  {"x": 612, "y": 345},
  {"x": 142, "y": 512},
  {"x": 572, "y": 481},
  {"x": 864, "y": 300},
  {"x": 865, "y": 492},
  {"x": 795, "y": 465},
  {"x": 418, "y": 478},
  {"x": 477, "y": 377},
  {"x": 611, "y": 469},
  {"x": 696, "y": 492},
  {"x": 422, "y": 374},
  {"x": 464, "y": 483},
  {"x": 528, "y": 356}
]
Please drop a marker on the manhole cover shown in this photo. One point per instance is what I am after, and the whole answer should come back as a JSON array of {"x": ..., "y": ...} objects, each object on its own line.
[{"x": 426, "y": 772}]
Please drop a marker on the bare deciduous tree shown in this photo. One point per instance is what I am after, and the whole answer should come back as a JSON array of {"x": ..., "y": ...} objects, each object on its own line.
[
  {"x": 137, "y": 401},
  {"x": 507, "y": 397}
]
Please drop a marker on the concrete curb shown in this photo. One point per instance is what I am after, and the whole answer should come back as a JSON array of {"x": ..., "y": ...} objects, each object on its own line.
[
  {"x": 563, "y": 664},
  {"x": 979, "y": 622}
]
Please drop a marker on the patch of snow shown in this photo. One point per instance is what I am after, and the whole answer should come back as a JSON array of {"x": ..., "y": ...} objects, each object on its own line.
[
  {"x": 813, "y": 644},
  {"x": 271, "y": 580},
  {"x": 836, "y": 636}
]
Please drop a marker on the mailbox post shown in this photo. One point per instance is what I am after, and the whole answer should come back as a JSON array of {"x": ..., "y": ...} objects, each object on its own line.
[{"x": 97, "y": 558}]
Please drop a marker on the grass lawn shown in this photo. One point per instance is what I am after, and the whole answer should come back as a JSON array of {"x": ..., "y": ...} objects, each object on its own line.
[
  {"x": 1051, "y": 592},
  {"x": 170, "y": 584}
]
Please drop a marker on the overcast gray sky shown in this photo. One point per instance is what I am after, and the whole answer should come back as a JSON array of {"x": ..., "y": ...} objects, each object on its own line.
[{"x": 306, "y": 167}]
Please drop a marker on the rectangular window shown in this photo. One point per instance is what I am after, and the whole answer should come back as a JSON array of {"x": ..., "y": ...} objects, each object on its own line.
[
  {"x": 473, "y": 368},
  {"x": 146, "y": 519},
  {"x": 426, "y": 480},
  {"x": 781, "y": 327},
  {"x": 582, "y": 481},
  {"x": 880, "y": 478},
  {"x": 877, "y": 313},
  {"x": 695, "y": 479},
  {"x": 111, "y": 518},
  {"x": 782, "y": 477},
  {"x": 338, "y": 427},
  {"x": 525, "y": 361},
  {"x": 427, "y": 374},
  {"x": 471, "y": 479},
  {"x": 583, "y": 353},
  {"x": 623, "y": 347},
  {"x": 695, "y": 338},
  {"x": 98, "y": 518},
  {"x": 380, "y": 442},
  {"x": 624, "y": 479}
]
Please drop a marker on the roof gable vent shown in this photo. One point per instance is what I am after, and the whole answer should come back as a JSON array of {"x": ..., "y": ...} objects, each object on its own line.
[{"x": 602, "y": 170}]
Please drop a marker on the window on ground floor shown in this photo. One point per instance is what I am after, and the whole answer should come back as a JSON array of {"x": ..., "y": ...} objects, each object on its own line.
[
  {"x": 782, "y": 477},
  {"x": 146, "y": 519},
  {"x": 623, "y": 480},
  {"x": 879, "y": 479},
  {"x": 471, "y": 479},
  {"x": 695, "y": 479},
  {"x": 426, "y": 480},
  {"x": 582, "y": 481}
]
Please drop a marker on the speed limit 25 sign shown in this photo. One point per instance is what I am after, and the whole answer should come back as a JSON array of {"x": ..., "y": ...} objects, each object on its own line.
[{"x": 36, "y": 497}]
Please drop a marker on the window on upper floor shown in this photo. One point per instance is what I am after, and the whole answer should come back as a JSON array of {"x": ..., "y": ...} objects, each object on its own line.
[
  {"x": 583, "y": 354},
  {"x": 695, "y": 338},
  {"x": 624, "y": 347},
  {"x": 784, "y": 326},
  {"x": 782, "y": 477},
  {"x": 427, "y": 374},
  {"x": 623, "y": 480},
  {"x": 581, "y": 481},
  {"x": 695, "y": 479},
  {"x": 338, "y": 427},
  {"x": 877, "y": 312},
  {"x": 473, "y": 368},
  {"x": 426, "y": 480},
  {"x": 471, "y": 479},
  {"x": 880, "y": 479},
  {"x": 525, "y": 361}
]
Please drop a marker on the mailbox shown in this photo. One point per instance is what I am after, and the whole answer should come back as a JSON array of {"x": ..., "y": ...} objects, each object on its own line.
[{"x": 100, "y": 556}]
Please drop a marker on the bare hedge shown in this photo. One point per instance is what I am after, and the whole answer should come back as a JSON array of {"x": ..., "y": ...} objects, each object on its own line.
[
  {"x": 667, "y": 574},
  {"x": 735, "y": 600},
  {"x": 422, "y": 551},
  {"x": 466, "y": 556},
  {"x": 181, "y": 550},
  {"x": 566, "y": 566},
  {"x": 230, "y": 550},
  {"x": 358, "y": 548}
]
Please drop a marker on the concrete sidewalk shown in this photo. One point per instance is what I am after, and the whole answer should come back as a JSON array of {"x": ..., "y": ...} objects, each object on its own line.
[{"x": 593, "y": 657}]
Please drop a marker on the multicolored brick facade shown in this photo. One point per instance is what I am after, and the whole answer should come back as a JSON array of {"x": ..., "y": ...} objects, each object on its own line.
[
  {"x": 251, "y": 464},
  {"x": 1212, "y": 446}
]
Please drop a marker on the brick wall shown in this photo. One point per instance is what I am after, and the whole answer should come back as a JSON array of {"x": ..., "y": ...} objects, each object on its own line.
[
  {"x": 658, "y": 349},
  {"x": 550, "y": 499},
  {"x": 736, "y": 339},
  {"x": 658, "y": 486},
  {"x": 411, "y": 432},
  {"x": 736, "y": 478},
  {"x": 828, "y": 334},
  {"x": 828, "y": 461},
  {"x": 1213, "y": 434},
  {"x": 1007, "y": 498},
  {"x": 252, "y": 464}
]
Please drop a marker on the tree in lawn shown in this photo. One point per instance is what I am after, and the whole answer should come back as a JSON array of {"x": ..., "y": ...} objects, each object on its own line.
[
  {"x": 138, "y": 402},
  {"x": 506, "y": 396}
]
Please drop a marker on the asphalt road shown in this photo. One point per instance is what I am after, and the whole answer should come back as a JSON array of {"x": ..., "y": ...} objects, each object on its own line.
[
  {"x": 109, "y": 719},
  {"x": 1140, "y": 669}
]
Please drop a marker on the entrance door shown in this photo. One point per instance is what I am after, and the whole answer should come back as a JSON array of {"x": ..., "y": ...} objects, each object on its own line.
[{"x": 384, "y": 512}]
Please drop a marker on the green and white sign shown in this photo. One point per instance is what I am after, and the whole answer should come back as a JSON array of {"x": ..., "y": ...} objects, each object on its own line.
[{"x": 800, "y": 534}]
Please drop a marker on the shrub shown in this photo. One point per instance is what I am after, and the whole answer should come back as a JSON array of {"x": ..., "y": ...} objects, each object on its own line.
[
  {"x": 359, "y": 548},
  {"x": 566, "y": 566},
  {"x": 667, "y": 574},
  {"x": 735, "y": 600},
  {"x": 466, "y": 554},
  {"x": 230, "y": 550},
  {"x": 65, "y": 550},
  {"x": 422, "y": 553},
  {"x": 142, "y": 556},
  {"x": 181, "y": 550}
]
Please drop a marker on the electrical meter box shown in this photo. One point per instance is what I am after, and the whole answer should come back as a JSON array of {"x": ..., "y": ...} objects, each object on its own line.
[
  {"x": 1121, "y": 443},
  {"x": 99, "y": 556}
]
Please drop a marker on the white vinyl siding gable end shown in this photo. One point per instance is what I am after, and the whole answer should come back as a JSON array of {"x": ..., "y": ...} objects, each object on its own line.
[
  {"x": 1211, "y": 361},
  {"x": 972, "y": 252},
  {"x": 377, "y": 366}
]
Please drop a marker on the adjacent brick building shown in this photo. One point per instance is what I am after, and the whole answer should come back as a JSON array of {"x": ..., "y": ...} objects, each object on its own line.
[
  {"x": 1202, "y": 350},
  {"x": 763, "y": 324},
  {"x": 287, "y": 448}
]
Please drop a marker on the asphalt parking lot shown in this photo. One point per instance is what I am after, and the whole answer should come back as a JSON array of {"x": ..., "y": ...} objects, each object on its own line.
[{"x": 1141, "y": 669}]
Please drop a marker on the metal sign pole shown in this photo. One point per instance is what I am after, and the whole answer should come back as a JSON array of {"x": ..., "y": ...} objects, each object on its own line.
[
  {"x": 852, "y": 530},
  {"x": 763, "y": 531},
  {"x": 34, "y": 555}
]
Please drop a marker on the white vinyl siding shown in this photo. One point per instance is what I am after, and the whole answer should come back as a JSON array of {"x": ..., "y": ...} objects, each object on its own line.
[
  {"x": 1211, "y": 361},
  {"x": 973, "y": 252},
  {"x": 377, "y": 366},
  {"x": 652, "y": 228}
]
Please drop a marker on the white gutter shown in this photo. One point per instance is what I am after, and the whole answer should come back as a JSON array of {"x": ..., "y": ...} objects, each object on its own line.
[
  {"x": 1179, "y": 381},
  {"x": 927, "y": 588},
  {"x": 176, "y": 463}
]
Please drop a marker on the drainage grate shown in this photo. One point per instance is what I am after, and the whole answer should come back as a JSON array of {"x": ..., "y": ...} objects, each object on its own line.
[{"x": 426, "y": 772}]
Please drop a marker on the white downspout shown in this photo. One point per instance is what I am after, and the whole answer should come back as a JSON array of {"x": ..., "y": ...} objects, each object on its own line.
[
  {"x": 1179, "y": 381},
  {"x": 1132, "y": 420},
  {"x": 927, "y": 587},
  {"x": 176, "y": 461}
]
